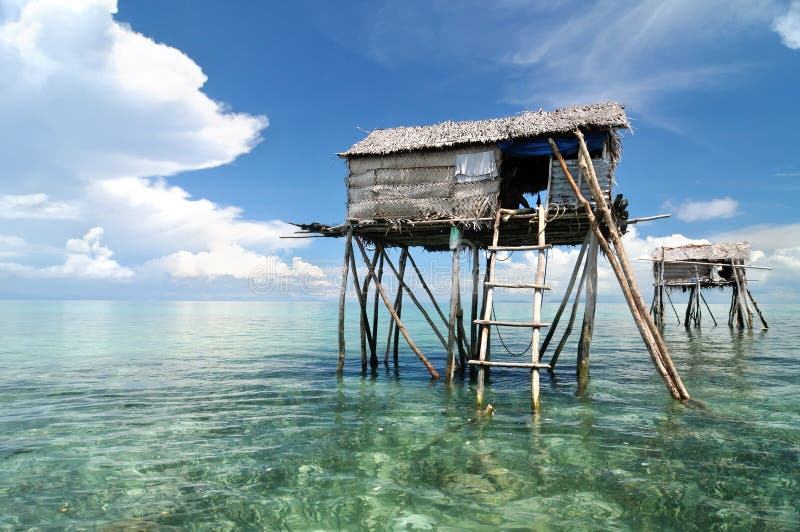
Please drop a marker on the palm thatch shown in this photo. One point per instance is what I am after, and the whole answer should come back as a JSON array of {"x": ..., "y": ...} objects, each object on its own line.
[
  {"x": 718, "y": 253},
  {"x": 608, "y": 115}
]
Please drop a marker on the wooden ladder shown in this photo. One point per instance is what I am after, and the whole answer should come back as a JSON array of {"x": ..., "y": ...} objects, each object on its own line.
[{"x": 536, "y": 325}]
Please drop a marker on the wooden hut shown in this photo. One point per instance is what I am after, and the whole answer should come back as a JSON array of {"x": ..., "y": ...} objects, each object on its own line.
[
  {"x": 695, "y": 267},
  {"x": 524, "y": 182}
]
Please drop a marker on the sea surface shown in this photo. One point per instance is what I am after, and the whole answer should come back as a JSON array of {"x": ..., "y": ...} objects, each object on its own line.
[{"x": 217, "y": 415}]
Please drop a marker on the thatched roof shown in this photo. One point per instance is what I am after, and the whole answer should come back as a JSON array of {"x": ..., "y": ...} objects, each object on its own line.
[
  {"x": 528, "y": 124},
  {"x": 723, "y": 253}
]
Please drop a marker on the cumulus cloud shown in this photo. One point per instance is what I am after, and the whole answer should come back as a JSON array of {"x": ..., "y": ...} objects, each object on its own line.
[
  {"x": 787, "y": 26},
  {"x": 101, "y": 100},
  {"x": 86, "y": 258},
  {"x": 94, "y": 109},
  {"x": 693, "y": 211},
  {"x": 36, "y": 207},
  {"x": 266, "y": 274},
  {"x": 159, "y": 218}
]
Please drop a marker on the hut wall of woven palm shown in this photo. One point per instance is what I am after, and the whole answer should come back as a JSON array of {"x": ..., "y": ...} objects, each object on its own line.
[{"x": 455, "y": 170}]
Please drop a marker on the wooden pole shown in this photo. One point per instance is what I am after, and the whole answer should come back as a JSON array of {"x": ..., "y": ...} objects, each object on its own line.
[
  {"x": 398, "y": 306},
  {"x": 669, "y": 298},
  {"x": 342, "y": 296},
  {"x": 473, "y": 329},
  {"x": 689, "y": 305},
  {"x": 573, "y": 313},
  {"x": 644, "y": 330},
  {"x": 394, "y": 315},
  {"x": 417, "y": 303},
  {"x": 452, "y": 326},
  {"x": 755, "y": 305},
  {"x": 585, "y": 342},
  {"x": 536, "y": 354},
  {"x": 366, "y": 333},
  {"x": 487, "y": 312},
  {"x": 363, "y": 309},
  {"x": 739, "y": 299},
  {"x": 698, "y": 310},
  {"x": 567, "y": 293},
  {"x": 428, "y": 291},
  {"x": 462, "y": 335},
  {"x": 373, "y": 360},
  {"x": 743, "y": 280},
  {"x": 627, "y": 270},
  {"x": 709, "y": 309}
]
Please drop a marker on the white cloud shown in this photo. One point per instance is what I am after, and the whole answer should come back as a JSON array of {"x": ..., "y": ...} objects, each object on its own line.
[
  {"x": 787, "y": 26},
  {"x": 265, "y": 274},
  {"x": 36, "y": 206},
  {"x": 693, "y": 211},
  {"x": 87, "y": 97},
  {"x": 86, "y": 258},
  {"x": 158, "y": 219},
  {"x": 94, "y": 109},
  {"x": 11, "y": 246}
]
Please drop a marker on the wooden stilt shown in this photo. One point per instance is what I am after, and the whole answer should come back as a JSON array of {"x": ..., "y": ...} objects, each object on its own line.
[
  {"x": 755, "y": 305},
  {"x": 428, "y": 291},
  {"x": 676, "y": 389},
  {"x": 661, "y": 289},
  {"x": 745, "y": 294},
  {"x": 689, "y": 304},
  {"x": 742, "y": 311},
  {"x": 698, "y": 310},
  {"x": 394, "y": 315},
  {"x": 585, "y": 342},
  {"x": 536, "y": 354},
  {"x": 373, "y": 361},
  {"x": 669, "y": 298},
  {"x": 452, "y": 326},
  {"x": 462, "y": 335},
  {"x": 367, "y": 333},
  {"x": 416, "y": 302},
  {"x": 348, "y": 249},
  {"x": 567, "y": 293},
  {"x": 708, "y": 308},
  {"x": 473, "y": 328},
  {"x": 573, "y": 313},
  {"x": 398, "y": 307},
  {"x": 363, "y": 306},
  {"x": 627, "y": 271}
]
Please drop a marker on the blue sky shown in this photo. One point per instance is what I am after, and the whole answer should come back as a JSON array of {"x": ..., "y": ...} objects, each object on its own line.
[{"x": 156, "y": 149}]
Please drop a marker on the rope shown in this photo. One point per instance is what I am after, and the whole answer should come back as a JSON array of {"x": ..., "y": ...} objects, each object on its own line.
[{"x": 504, "y": 343}]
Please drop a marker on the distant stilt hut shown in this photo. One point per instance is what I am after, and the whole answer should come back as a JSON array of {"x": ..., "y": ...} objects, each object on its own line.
[
  {"x": 463, "y": 185},
  {"x": 695, "y": 267}
]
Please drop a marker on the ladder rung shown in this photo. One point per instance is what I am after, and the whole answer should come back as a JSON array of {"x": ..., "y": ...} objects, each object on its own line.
[
  {"x": 518, "y": 285},
  {"x": 532, "y": 325},
  {"x": 519, "y": 248},
  {"x": 508, "y": 364}
]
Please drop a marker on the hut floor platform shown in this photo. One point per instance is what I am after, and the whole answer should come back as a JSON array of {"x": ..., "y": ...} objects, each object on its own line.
[{"x": 564, "y": 228}]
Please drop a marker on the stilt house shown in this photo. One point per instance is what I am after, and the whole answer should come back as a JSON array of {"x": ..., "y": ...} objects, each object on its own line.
[
  {"x": 525, "y": 182},
  {"x": 695, "y": 267}
]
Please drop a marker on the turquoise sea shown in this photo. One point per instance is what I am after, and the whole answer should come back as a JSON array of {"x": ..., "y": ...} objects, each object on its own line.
[{"x": 215, "y": 415}]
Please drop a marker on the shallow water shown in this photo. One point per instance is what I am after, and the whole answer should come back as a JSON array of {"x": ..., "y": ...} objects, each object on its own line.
[{"x": 137, "y": 415}]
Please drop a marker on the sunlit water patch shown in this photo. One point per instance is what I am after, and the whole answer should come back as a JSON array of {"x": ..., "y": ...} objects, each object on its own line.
[{"x": 229, "y": 415}]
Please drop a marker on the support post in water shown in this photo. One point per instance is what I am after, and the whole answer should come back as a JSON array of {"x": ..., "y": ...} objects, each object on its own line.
[
  {"x": 452, "y": 325},
  {"x": 585, "y": 341},
  {"x": 348, "y": 249}
]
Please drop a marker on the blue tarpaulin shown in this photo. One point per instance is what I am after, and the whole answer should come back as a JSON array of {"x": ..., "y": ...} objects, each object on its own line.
[{"x": 567, "y": 146}]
